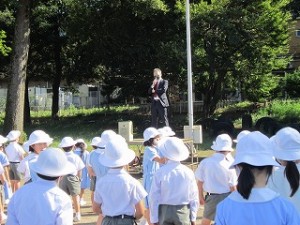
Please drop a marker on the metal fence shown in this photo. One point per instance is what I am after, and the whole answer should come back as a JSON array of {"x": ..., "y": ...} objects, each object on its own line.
[{"x": 43, "y": 101}]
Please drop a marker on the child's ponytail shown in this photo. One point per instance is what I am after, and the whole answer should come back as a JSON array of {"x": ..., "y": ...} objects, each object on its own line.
[
  {"x": 246, "y": 180},
  {"x": 292, "y": 174}
]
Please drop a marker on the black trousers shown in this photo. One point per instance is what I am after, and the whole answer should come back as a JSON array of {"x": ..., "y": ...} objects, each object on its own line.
[{"x": 158, "y": 112}]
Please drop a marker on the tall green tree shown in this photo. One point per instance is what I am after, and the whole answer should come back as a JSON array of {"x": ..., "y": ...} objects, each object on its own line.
[
  {"x": 127, "y": 38},
  {"x": 14, "y": 113},
  {"x": 236, "y": 41}
]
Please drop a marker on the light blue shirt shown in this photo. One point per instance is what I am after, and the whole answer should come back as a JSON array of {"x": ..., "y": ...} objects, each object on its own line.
[
  {"x": 118, "y": 192},
  {"x": 98, "y": 168},
  {"x": 264, "y": 206},
  {"x": 85, "y": 179},
  {"x": 149, "y": 168},
  {"x": 3, "y": 159},
  {"x": 149, "y": 165},
  {"x": 40, "y": 203}
]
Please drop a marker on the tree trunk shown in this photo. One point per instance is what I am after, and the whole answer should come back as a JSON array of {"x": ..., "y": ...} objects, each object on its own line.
[
  {"x": 213, "y": 95},
  {"x": 58, "y": 76},
  {"x": 14, "y": 112}
]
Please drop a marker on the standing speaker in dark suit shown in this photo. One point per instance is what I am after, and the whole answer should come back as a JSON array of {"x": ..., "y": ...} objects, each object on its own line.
[{"x": 159, "y": 99}]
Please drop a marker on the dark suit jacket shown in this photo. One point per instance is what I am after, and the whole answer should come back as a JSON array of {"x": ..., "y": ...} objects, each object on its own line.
[{"x": 161, "y": 92}]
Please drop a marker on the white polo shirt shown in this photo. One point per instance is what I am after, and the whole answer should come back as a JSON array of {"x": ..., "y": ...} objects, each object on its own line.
[
  {"x": 14, "y": 152},
  {"x": 76, "y": 160},
  {"x": 117, "y": 193},
  {"x": 215, "y": 174},
  {"x": 40, "y": 203},
  {"x": 24, "y": 165},
  {"x": 173, "y": 184},
  {"x": 279, "y": 183}
]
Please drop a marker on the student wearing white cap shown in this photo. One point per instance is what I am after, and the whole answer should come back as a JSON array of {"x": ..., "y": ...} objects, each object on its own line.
[
  {"x": 118, "y": 196},
  {"x": 151, "y": 161},
  {"x": 37, "y": 142},
  {"x": 253, "y": 202},
  {"x": 3, "y": 176},
  {"x": 70, "y": 183},
  {"x": 240, "y": 135},
  {"x": 94, "y": 143},
  {"x": 174, "y": 195},
  {"x": 42, "y": 202},
  {"x": 96, "y": 169},
  {"x": 3, "y": 181},
  {"x": 5, "y": 164},
  {"x": 166, "y": 132},
  {"x": 81, "y": 151},
  {"x": 215, "y": 178},
  {"x": 285, "y": 180},
  {"x": 15, "y": 154}
]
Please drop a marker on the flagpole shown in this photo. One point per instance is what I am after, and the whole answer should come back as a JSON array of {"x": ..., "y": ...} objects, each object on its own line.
[{"x": 189, "y": 67}]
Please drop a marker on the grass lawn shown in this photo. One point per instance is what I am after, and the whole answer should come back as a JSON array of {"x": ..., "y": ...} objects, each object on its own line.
[{"x": 85, "y": 124}]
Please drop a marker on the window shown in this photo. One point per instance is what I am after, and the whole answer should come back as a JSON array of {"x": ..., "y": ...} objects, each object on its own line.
[{"x": 298, "y": 33}]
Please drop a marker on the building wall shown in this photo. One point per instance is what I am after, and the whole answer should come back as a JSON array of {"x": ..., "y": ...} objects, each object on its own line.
[{"x": 295, "y": 45}]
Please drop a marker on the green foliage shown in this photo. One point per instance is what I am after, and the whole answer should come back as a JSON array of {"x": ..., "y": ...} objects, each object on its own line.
[
  {"x": 4, "y": 49},
  {"x": 283, "y": 111},
  {"x": 264, "y": 85},
  {"x": 240, "y": 40},
  {"x": 292, "y": 84},
  {"x": 73, "y": 111}
]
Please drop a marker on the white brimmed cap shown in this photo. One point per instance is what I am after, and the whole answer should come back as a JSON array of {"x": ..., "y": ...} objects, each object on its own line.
[
  {"x": 149, "y": 133},
  {"x": 255, "y": 149},
  {"x": 223, "y": 142},
  {"x": 67, "y": 142},
  {"x": 95, "y": 141},
  {"x": 53, "y": 162},
  {"x": 174, "y": 149},
  {"x": 286, "y": 143},
  {"x": 168, "y": 131},
  {"x": 13, "y": 135},
  {"x": 80, "y": 140},
  {"x": 106, "y": 136},
  {"x": 241, "y": 135},
  {"x": 2, "y": 140},
  {"x": 117, "y": 153},
  {"x": 39, "y": 136}
]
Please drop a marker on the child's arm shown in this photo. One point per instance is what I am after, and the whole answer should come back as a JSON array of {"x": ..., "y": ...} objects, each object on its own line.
[
  {"x": 160, "y": 160},
  {"x": 96, "y": 208},
  {"x": 90, "y": 171},
  {"x": 200, "y": 190},
  {"x": 139, "y": 210}
]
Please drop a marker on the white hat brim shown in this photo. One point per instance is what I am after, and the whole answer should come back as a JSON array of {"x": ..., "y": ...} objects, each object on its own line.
[
  {"x": 288, "y": 155},
  {"x": 184, "y": 153},
  {"x": 124, "y": 160},
  {"x": 48, "y": 141},
  {"x": 69, "y": 168},
  {"x": 254, "y": 161},
  {"x": 64, "y": 145},
  {"x": 218, "y": 149},
  {"x": 171, "y": 133}
]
